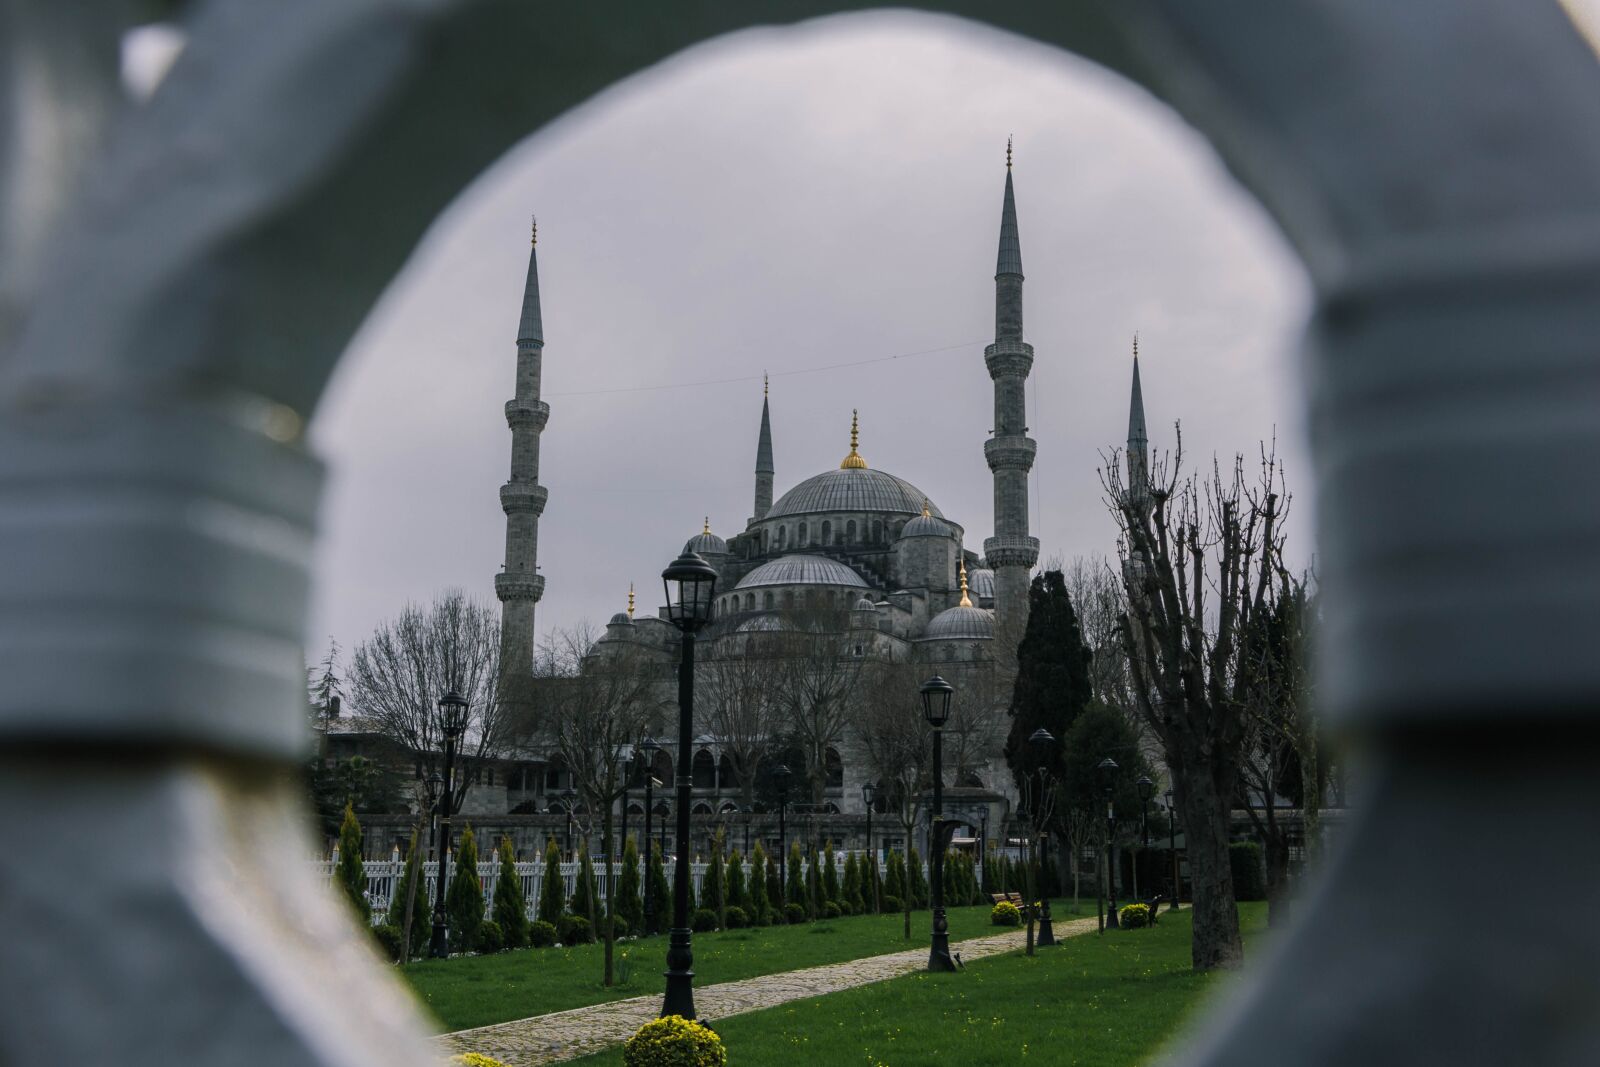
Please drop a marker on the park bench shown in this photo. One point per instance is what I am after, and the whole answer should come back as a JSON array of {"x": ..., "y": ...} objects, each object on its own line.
[{"x": 1015, "y": 898}]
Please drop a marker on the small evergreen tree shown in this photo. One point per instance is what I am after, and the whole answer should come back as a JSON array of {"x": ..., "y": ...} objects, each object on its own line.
[
  {"x": 510, "y": 910},
  {"x": 738, "y": 895},
  {"x": 850, "y": 890},
  {"x": 629, "y": 904},
  {"x": 714, "y": 897},
  {"x": 794, "y": 886},
  {"x": 553, "y": 891},
  {"x": 464, "y": 899},
  {"x": 830, "y": 875},
  {"x": 583, "y": 894},
  {"x": 760, "y": 903},
  {"x": 775, "y": 899},
  {"x": 894, "y": 880},
  {"x": 814, "y": 899},
  {"x": 916, "y": 879},
  {"x": 351, "y": 873},
  {"x": 660, "y": 891},
  {"x": 417, "y": 888}
]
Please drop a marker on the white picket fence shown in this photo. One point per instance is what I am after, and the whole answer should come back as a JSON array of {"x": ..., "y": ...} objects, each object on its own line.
[{"x": 384, "y": 875}]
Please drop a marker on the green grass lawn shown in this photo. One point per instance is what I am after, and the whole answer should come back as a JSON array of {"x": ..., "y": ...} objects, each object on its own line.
[
  {"x": 479, "y": 990},
  {"x": 1092, "y": 1001}
]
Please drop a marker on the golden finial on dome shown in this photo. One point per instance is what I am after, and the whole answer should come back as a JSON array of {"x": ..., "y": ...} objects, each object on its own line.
[
  {"x": 966, "y": 601},
  {"x": 854, "y": 462},
  {"x": 707, "y": 527},
  {"x": 926, "y": 512},
  {"x": 630, "y": 600}
]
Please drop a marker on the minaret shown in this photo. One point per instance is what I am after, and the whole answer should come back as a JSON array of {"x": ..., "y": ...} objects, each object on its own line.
[
  {"x": 519, "y": 584},
  {"x": 1138, "y": 455},
  {"x": 1010, "y": 552},
  {"x": 764, "y": 471}
]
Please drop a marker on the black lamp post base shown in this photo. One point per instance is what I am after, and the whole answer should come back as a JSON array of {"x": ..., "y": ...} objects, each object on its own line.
[
  {"x": 439, "y": 944},
  {"x": 1111, "y": 917},
  {"x": 1047, "y": 933},
  {"x": 939, "y": 958},
  {"x": 680, "y": 977}
]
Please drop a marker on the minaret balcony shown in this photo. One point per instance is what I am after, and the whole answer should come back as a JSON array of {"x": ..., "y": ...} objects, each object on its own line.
[
  {"x": 527, "y": 415},
  {"x": 518, "y": 497},
  {"x": 1009, "y": 359},
  {"x": 1011, "y": 551},
  {"x": 508, "y": 586},
  {"x": 1010, "y": 453}
]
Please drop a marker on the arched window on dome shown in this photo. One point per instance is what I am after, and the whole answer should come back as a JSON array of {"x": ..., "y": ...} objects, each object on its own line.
[
  {"x": 850, "y": 531},
  {"x": 877, "y": 532},
  {"x": 800, "y": 538},
  {"x": 749, "y": 602},
  {"x": 704, "y": 770},
  {"x": 768, "y": 601},
  {"x": 788, "y": 598},
  {"x": 783, "y": 536},
  {"x": 827, "y": 532}
]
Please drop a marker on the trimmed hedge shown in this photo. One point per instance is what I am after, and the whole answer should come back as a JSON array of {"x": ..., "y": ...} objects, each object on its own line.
[
  {"x": 542, "y": 934},
  {"x": 735, "y": 917},
  {"x": 703, "y": 920},
  {"x": 491, "y": 938},
  {"x": 1005, "y": 913},
  {"x": 1133, "y": 916},
  {"x": 575, "y": 930},
  {"x": 794, "y": 913},
  {"x": 674, "y": 1041}
]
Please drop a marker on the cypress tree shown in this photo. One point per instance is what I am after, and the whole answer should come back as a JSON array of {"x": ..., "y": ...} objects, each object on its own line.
[
  {"x": 464, "y": 900},
  {"x": 916, "y": 879},
  {"x": 814, "y": 886},
  {"x": 850, "y": 890},
  {"x": 583, "y": 894},
  {"x": 630, "y": 906},
  {"x": 510, "y": 910},
  {"x": 738, "y": 895},
  {"x": 713, "y": 896},
  {"x": 351, "y": 873},
  {"x": 894, "y": 879},
  {"x": 830, "y": 875},
  {"x": 417, "y": 888},
  {"x": 759, "y": 903},
  {"x": 660, "y": 891},
  {"x": 774, "y": 887},
  {"x": 553, "y": 893},
  {"x": 795, "y": 880}
]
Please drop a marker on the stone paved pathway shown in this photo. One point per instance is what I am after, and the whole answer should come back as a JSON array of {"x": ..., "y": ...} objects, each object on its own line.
[{"x": 566, "y": 1035}]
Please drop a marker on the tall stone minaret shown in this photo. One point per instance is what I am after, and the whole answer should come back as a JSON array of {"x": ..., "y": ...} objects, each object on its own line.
[
  {"x": 1138, "y": 455},
  {"x": 764, "y": 471},
  {"x": 1010, "y": 552},
  {"x": 519, "y": 585}
]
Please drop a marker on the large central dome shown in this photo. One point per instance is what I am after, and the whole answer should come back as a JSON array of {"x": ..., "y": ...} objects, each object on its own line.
[{"x": 852, "y": 489}]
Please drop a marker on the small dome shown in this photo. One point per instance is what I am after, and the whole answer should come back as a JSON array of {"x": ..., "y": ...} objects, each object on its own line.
[
  {"x": 866, "y": 604},
  {"x": 706, "y": 543},
  {"x": 925, "y": 526},
  {"x": 802, "y": 570},
  {"x": 981, "y": 582},
  {"x": 961, "y": 624},
  {"x": 762, "y": 624},
  {"x": 620, "y": 619}
]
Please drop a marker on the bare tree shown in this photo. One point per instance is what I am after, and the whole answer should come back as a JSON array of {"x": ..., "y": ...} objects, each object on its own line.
[
  {"x": 399, "y": 673},
  {"x": 817, "y": 671},
  {"x": 1201, "y": 569},
  {"x": 596, "y": 700},
  {"x": 739, "y": 697},
  {"x": 891, "y": 731},
  {"x": 977, "y": 728}
]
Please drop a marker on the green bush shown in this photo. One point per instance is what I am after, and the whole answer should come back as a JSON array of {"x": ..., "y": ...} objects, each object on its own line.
[
  {"x": 630, "y": 905},
  {"x": 760, "y": 903},
  {"x": 1249, "y": 875},
  {"x": 542, "y": 934},
  {"x": 388, "y": 938},
  {"x": 351, "y": 873},
  {"x": 575, "y": 930},
  {"x": 476, "y": 1059},
  {"x": 421, "y": 927},
  {"x": 738, "y": 895},
  {"x": 1133, "y": 916},
  {"x": 510, "y": 911},
  {"x": 830, "y": 874},
  {"x": 894, "y": 884},
  {"x": 794, "y": 886},
  {"x": 703, "y": 920},
  {"x": 846, "y": 908},
  {"x": 553, "y": 890},
  {"x": 917, "y": 880},
  {"x": 850, "y": 899},
  {"x": 794, "y": 913},
  {"x": 491, "y": 938},
  {"x": 713, "y": 897},
  {"x": 892, "y": 905},
  {"x": 674, "y": 1041},
  {"x": 583, "y": 892},
  {"x": 619, "y": 926},
  {"x": 464, "y": 898},
  {"x": 830, "y": 910},
  {"x": 1005, "y": 913},
  {"x": 736, "y": 918}
]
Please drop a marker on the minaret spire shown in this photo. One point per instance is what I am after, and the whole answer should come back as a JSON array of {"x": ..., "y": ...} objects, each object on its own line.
[
  {"x": 854, "y": 462},
  {"x": 1011, "y": 552},
  {"x": 1138, "y": 455},
  {"x": 519, "y": 584},
  {"x": 764, "y": 471}
]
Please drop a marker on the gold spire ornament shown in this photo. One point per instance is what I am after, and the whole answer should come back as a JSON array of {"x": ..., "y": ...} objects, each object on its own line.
[
  {"x": 966, "y": 601},
  {"x": 927, "y": 512},
  {"x": 630, "y": 601},
  {"x": 707, "y": 527},
  {"x": 854, "y": 462}
]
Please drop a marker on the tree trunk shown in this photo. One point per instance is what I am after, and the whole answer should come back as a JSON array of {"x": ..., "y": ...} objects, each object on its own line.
[
  {"x": 611, "y": 889},
  {"x": 1206, "y": 813},
  {"x": 1277, "y": 857}
]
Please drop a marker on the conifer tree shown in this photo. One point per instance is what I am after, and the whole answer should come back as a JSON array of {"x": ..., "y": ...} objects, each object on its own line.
[
  {"x": 412, "y": 883},
  {"x": 630, "y": 906},
  {"x": 713, "y": 896},
  {"x": 582, "y": 903},
  {"x": 814, "y": 886},
  {"x": 553, "y": 891},
  {"x": 850, "y": 891},
  {"x": 738, "y": 895},
  {"x": 775, "y": 887},
  {"x": 795, "y": 880},
  {"x": 916, "y": 879},
  {"x": 894, "y": 879},
  {"x": 510, "y": 910},
  {"x": 660, "y": 891},
  {"x": 464, "y": 899},
  {"x": 351, "y": 873},
  {"x": 759, "y": 902},
  {"x": 830, "y": 875}
]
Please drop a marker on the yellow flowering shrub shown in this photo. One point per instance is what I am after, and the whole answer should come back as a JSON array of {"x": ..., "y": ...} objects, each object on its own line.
[
  {"x": 1006, "y": 913},
  {"x": 1133, "y": 916},
  {"x": 673, "y": 1041},
  {"x": 476, "y": 1059}
]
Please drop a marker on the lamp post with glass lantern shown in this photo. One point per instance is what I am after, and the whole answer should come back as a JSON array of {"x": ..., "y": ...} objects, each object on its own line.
[
  {"x": 690, "y": 583},
  {"x": 1172, "y": 849},
  {"x": 1108, "y": 780},
  {"x": 936, "y": 694},
  {"x": 869, "y": 793},
  {"x": 452, "y": 724},
  {"x": 781, "y": 776},
  {"x": 1147, "y": 789},
  {"x": 1044, "y": 743}
]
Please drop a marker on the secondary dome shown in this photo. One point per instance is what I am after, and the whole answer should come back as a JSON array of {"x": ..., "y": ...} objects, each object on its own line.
[
  {"x": 961, "y": 624},
  {"x": 925, "y": 525},
  {"x": 706, "y": 543},
  {"x": 982, "y": 581},
  {"x": 620, "y": 619},
  {"x": 802, "y": 570},
  {"x": 852, "y": 489}
]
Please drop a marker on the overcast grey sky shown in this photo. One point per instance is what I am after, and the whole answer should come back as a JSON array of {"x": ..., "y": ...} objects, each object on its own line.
[{"x": 782, "y": 201}]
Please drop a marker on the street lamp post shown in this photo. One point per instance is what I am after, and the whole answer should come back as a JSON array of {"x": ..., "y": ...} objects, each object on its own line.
[
  {"x": 649, "y": 882},
  {"x": 781, "y": 775},
  {"x": 1108, "y": 777},
  {"x": 1044, "y": 743},
  {"x": 435, "y": 786},
  {"x": 936, "y": 694},
  {"x": 1147, "y": 789},
  {"x": 869, "y": 793},
  {"x": 694, "y": 582},
  {"x": 452, "y": 724},
  {"x": 1172, "y": 850}
]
